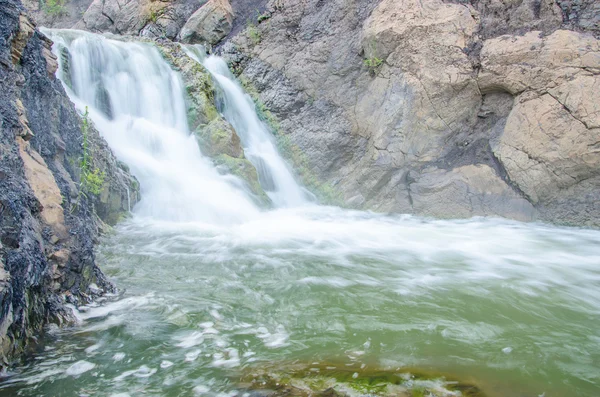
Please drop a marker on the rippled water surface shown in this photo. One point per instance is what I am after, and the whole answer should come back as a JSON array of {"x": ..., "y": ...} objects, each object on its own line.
[{"x": 513, "y": 308}]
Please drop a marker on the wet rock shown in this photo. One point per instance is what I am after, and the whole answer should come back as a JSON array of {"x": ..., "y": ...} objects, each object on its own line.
[
  {"x": 216, "y": 137},
  {"x": 219, "y": 137},
  {"x": 209, "y": 24},
  {"x": 47, "y": 226}
]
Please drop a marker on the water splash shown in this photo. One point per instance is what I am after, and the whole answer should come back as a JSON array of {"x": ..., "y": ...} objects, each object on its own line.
[
  {"x": 137, "y": 103},
  {"x": 239, "y": 110}
]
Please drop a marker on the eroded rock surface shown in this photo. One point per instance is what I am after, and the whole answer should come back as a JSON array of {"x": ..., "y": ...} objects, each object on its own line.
[
  {"x": 446, "y": 108},
  {"x": 432, "y": 107},
  {"x": 47, "y": 226}
]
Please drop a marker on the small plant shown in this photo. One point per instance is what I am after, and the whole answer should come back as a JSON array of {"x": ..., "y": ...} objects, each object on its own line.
[
  {"x": 153, "y": 16},
  {"x": 262, "y": 17},
  {"x": 254, "y": 34},
  {"x": 373, "y": 64},
  {"x": 92, "y": 180},
  {"x": 54, "y": 7}
]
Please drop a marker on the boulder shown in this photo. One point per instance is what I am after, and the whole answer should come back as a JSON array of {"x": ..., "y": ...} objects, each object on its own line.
[
  {"x": 209, "y": 24},
  {"x": 536, "y": 62},
  {"x": 546, "y": 149},
  {"x": 120, "y": 17}
]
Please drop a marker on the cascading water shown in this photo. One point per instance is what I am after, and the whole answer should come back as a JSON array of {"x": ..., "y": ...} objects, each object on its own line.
[
  {"x": 137, "y": 103},
  {"x": 513, "y": 307},
  {"x": 238, "y": 108}
]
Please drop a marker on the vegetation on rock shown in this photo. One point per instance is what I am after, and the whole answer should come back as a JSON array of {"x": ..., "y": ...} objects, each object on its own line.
[{"x": 92, "y": 179}]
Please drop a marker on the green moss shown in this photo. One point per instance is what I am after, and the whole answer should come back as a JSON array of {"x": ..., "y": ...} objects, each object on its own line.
[
  {"x": 333, "y": 380},
  {"x": 373, "y": 64},
  {"x": 243, "y": 169},
  {"x": 92, "y": 179},
  {"x": 254, "y": 34},
  {"x": 55, "y": 7},
  {"x": 325, "y": 192}
]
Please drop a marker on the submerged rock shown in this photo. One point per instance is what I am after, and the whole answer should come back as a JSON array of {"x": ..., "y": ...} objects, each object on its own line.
[{"x": 331, "y": 380}]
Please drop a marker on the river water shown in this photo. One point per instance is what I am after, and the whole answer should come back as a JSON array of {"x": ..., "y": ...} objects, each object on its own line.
[{"x": 216, "y": 291}]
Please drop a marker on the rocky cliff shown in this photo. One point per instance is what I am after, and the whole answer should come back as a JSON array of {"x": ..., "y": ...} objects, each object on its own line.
[
  {"x": 49, "y": 216},
  {"x": 444, "y": 109},
  {"x": 441, "y": 108},
  {"x": 438, "y": 108}
]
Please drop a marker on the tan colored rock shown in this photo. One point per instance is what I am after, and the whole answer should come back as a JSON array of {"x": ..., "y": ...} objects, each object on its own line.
[
  {"x": 581, "y": 96},
  {"x": 425, "y": 86},
  {"x": 209, "y": 24},
  {"x": 545, "y": 149},
  {"x": 26, "y": 29},
  {"x": 533, "y": 62},
  {"x": 42, "y": 182},
  {"x": 401, "y": 106},
  {"x": 121, "y": 17},
  {"x": 443, "y": 194},
  {"x": 61, "y": 257},
  {"x": 25, "y": 132}
]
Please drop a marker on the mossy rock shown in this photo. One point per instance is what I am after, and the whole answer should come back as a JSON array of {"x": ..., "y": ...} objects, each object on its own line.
[
  {"x": 219, "y": 137},
  {"x": 198, "y": 83},
  {"x": 333, "y": 380},
  {"x": 243, "y": 169}
]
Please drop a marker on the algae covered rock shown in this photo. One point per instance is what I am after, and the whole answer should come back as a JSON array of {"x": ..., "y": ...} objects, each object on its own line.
[{"x": 219, "y": 137}]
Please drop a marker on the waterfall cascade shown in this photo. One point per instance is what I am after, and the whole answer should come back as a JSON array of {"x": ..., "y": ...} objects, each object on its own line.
[
  {"x": 238, "y": 108},
  {"x": 146, "y": 125}
]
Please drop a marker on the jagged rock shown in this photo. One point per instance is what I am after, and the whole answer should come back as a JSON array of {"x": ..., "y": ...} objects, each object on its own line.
[
  {"x": 26, "y": 29},
  {"x": 499, "y": 17},
  {"x": 209, "y": 24},
  {"x": 47, "y": 227}
]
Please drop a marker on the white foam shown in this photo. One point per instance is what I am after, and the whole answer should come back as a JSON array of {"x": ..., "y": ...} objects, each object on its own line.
[{"x": 80, "y": 367}]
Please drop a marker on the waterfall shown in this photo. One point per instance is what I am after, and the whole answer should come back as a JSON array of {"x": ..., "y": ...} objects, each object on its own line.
[
  {"x": 239, "y": 110},
  {"x": 137, "y": 103}
]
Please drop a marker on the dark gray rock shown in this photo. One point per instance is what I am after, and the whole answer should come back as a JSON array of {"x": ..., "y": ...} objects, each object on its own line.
[{"x": 47, "y": 228}]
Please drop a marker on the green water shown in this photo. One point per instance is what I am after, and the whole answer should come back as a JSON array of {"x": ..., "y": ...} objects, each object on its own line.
[{"x": 511, "y": 308}]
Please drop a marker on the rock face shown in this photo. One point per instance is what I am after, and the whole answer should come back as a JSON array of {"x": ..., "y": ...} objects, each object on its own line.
[
  {"x": 439, "y": 108},
  {"x": 209, "y": 24},
  {"x": 47, "y": 225}
]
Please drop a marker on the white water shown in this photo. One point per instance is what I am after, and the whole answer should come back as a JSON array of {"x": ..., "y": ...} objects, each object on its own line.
[
  {"x": 148, "y": 129},
  {"x": 514, "y": 305},
  {"x": 274, "y": 174}
]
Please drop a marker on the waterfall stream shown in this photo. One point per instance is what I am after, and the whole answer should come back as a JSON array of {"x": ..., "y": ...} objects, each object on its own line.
[
  {"x": 259, "y": 147},
  {"x": 216, "y": 290},
  {"x": 137, "y": 103}
]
